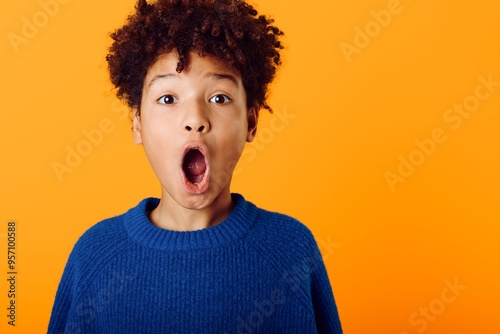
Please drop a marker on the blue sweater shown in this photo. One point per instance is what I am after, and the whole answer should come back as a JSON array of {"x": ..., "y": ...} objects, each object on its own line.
[{"x": 255, "y": 272}]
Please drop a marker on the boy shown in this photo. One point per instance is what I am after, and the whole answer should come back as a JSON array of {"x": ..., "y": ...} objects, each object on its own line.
[{"x": 200, "y": 259}]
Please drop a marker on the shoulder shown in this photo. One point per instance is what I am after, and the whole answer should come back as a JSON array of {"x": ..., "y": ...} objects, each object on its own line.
[
  {"x": 283, "y": 226},
  {"x": 112, "y": 233},
  {"x": 98, "y": 243},
  {"x": 105, "y": 232},
  {"x": 281, "y": 232},
  {"x": 101, "y": 242},
  {"x": 289, "y": 246}
]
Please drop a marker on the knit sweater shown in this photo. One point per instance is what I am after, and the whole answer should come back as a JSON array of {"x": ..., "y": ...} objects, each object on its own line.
[{"x": 255, "y": 272}]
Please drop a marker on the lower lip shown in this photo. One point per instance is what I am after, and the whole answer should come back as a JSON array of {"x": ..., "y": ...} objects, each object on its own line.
[{"x": 196, "y": 188}]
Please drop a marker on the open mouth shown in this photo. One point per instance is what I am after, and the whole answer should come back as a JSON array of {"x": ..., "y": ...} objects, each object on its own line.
[
  {"x": 195, "y": 169},
  {"x": 194, "y": 166}
]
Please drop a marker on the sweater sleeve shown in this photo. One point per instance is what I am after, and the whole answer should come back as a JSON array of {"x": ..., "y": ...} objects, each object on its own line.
[
  {"x": 68, "y": 312},
  {"x": 64, "y": 299},
  {"x": 71, "y": 311},
  {"x": 325, "y": 308},
  {"x": 295, "y": 255}
]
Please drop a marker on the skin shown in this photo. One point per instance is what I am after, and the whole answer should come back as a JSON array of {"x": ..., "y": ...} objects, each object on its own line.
[{"x": 204, "y": 105}]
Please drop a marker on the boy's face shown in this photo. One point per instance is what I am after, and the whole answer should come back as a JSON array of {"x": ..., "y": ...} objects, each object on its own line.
[{"x": 193, "y": 126}]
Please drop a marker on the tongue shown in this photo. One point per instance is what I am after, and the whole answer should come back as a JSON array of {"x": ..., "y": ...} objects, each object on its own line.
[{"x": 194, "y": 166}]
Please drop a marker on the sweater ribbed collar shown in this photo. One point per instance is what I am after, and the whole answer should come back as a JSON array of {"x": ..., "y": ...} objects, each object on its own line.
[{"x": 144, "y": 232}]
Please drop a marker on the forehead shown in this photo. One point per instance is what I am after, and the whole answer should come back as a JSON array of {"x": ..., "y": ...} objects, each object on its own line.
[{"x": 194, "y": 65}]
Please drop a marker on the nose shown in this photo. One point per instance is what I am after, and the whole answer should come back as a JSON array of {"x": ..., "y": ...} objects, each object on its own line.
[
  {"x": 201, "y": 128},
  {"x": 196, "y": 120}
]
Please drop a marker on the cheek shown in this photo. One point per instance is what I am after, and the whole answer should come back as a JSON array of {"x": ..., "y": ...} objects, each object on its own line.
[
  {"x": 232, "y": 145},
  {"x": 159, "y": 146},
  {"x": 157, "y": 129}
]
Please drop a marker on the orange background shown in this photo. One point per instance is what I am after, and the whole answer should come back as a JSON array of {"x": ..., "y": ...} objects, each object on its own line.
[{"x": 390, "y": 251}]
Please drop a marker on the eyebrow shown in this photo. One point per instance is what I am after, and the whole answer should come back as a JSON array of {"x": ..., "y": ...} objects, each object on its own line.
[
  {"x": 218, "y": 76},
  {"x": 161, "y": 76}
]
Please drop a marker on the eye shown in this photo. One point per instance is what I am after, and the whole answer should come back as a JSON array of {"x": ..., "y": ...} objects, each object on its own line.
[
  {"x": 167, "y": 99},
  {"x": 220, "y": 99}
]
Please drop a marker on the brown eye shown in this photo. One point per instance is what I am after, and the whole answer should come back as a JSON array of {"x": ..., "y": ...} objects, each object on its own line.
[
  {"x": 167, "y": 99},
  {"x": 220, "y": 99}
]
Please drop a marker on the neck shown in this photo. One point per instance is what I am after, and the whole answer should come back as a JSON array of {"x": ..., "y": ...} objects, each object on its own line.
[{"x": 170, "y": 215}]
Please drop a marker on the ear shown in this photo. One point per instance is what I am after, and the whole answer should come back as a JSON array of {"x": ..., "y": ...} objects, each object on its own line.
[
  {"x": 252, "y": 123},
  {"x": 137, "y": 126}
]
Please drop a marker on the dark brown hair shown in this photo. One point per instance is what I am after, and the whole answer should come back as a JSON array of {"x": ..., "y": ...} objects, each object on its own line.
[{"x": 230, "y": 30}]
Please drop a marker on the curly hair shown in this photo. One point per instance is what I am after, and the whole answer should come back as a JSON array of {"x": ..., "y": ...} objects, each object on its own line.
[{"x": 229, "y": 30}]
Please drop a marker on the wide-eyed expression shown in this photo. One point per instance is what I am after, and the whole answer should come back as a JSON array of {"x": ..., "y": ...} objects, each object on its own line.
[{"x": 193, "y": 126}]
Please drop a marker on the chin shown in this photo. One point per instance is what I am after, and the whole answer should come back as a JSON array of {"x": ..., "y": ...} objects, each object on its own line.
[{"x": 198, "y": 201}]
